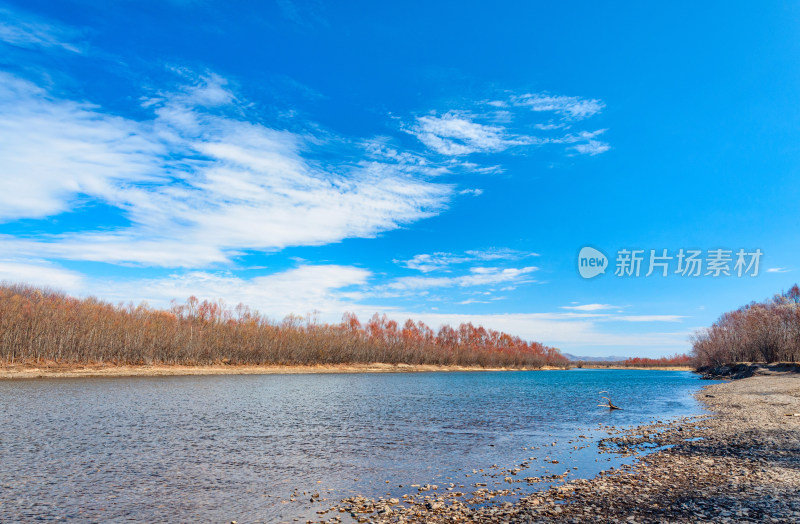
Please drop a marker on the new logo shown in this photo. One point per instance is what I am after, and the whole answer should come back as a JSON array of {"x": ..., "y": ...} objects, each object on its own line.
[{"x": 591, "y": 262}]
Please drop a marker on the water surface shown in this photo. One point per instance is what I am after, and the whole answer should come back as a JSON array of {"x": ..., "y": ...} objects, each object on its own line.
[{"x": 221, "y": 448}]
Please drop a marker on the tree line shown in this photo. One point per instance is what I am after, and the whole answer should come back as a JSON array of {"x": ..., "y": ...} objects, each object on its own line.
[
  {"x": 676, "y": 360},
  {"x": 767, "y": 331},
  {"x": 38, "y": 324}
]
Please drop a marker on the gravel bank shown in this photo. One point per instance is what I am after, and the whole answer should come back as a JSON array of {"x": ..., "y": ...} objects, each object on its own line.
[{"x": 741, "y": 464}]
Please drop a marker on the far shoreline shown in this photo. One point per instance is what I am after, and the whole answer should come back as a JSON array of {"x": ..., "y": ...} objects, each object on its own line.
[
  {"x": 642, "y": 368},
  {"x": 72, "y": 370}
]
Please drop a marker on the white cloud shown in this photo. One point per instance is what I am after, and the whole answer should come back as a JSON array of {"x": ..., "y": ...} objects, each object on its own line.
[
  {"x": 648, "y": 318},
  {"x": 500, "y": 254},
  {"x": 23, "y": 30},
  {"x": 569, "y": 334},
  {"x": 621, "y": 318},
  {"x": 197, "y": 186},
  {"x": 427, "y": 262},
  {"x": 433, "y": 262},
  {"x": 455, "y": 133},
  {"x": 778, "y": 270},
  {"x": 459, "y": 133},
  {"x": 298, "y": 291},
  {"x": 124, "y": 248},
  {"x": 591, "y": 307},
  {"x": 473, "y": 192},
  {"x": 550, "y": 126},
  {"x": 572, "y": 107},
  {"x": 584, "y": 142},
  {"x": 52, "y": 150},
  {"x": 41, "y": 273},
  {"x": 381, "y": 152},
  {"x": 479, "y": 276},
  {"x": 592, "y": 148}
]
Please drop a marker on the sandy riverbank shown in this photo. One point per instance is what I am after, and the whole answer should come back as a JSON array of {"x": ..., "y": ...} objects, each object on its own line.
[
  {"x": 62, "y": 370},
  {"x": 740, "y": 464},
  {"x": 56, "y": 370}
]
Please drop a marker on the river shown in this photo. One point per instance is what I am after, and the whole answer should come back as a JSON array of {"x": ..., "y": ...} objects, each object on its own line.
[{"x": 222, "y": 448}]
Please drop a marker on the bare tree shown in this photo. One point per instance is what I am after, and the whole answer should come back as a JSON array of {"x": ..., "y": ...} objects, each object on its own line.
[{"x": 38, "y": 325}]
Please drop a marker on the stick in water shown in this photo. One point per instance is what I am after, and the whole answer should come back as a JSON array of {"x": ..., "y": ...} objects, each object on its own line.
[{"x": 609, "y": 405}]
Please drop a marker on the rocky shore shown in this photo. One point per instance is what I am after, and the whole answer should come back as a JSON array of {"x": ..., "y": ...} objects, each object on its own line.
[
  {"x": 748, "y": 369},
  {"x": 740, "y": 464}
]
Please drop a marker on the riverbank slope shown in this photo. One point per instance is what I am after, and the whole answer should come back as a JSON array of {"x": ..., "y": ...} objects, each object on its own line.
[
  {"x": 62, "y": 370},
  {"x": 67, "y": 370}
]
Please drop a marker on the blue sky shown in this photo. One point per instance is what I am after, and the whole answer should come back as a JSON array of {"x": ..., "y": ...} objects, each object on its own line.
[{"x": 443, "y": 162}]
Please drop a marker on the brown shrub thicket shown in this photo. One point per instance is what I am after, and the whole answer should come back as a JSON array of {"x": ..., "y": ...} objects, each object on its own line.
[
  {"x": 44, "y": 325},
  {"x": 675, "y": 360},
  {"x": 766, "y": 331}
]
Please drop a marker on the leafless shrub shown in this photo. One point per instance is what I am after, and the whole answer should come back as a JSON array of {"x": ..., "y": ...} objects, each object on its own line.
[
  {"x": 39, "y": 324},
  {"x": 766, "y": 331}
]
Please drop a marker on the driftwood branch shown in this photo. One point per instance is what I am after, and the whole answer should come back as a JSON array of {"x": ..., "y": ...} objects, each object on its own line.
[{"x": 609, "y": 405}]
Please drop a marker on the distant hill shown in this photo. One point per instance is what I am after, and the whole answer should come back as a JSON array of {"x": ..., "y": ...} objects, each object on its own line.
[{"x": 612, "y": 358}]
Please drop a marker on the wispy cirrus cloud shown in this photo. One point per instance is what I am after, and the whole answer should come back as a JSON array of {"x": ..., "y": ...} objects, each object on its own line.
[
  {"x": 591, "y": 147},
  {"x": 21, "y": 29},
  {"x": 648, "y": 318},
  {"x": 477, "y": 276},
  {"x": 572, "y": 107},
  {"x": 197, "y": 182},
  {"x": 190, "y": 182},
  {"x": 591, "y": 307},
  {"x": 602, "y": 313},
  {"x": 459, "y": 132},
  {"x": 52, "y": 150},
  {"x": 307, "y": 14},
  {"x": 427, "y": 262},
  {"x": 584, "y": 142},
  {"x": 456, "y": 133},
  {"x": 778, "y": 270}
]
